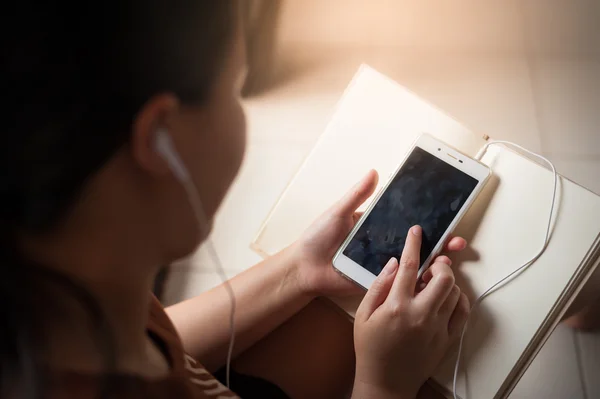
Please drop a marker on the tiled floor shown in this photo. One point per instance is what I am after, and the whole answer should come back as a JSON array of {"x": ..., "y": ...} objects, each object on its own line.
[{"x": 544, "y": 94}]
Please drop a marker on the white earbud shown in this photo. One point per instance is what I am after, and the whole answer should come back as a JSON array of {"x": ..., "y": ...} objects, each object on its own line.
[{"x": 166, "y": 149}]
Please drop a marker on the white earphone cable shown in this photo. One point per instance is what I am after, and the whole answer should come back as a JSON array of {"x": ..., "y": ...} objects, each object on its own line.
[
  {"x": 166, "y": 148},
  {"x": 196, "y": 205},
  {"x": 521, "y": 268}
]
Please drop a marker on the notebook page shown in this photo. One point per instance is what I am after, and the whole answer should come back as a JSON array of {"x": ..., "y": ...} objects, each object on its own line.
[
  {"x": 374, "y": 125},
  {"x": 505, "y": 228}
]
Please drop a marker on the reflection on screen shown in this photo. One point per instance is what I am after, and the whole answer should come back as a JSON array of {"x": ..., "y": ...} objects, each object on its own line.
[{"x": 426, "y": 191}]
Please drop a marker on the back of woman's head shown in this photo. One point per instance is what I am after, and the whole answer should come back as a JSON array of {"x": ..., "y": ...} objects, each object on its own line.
[{"x": 73, "y": 75}]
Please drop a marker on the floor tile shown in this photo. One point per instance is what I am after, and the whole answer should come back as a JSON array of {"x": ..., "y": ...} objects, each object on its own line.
[
  {"x": 589, "y": 349},
  {"x": 558, "y": 27},
  {"x": 299, "y": 104},
  {"x": 554, "y": 373},
  {"x": 567, "y": 96},
  {"x": 490, "y": 94}
]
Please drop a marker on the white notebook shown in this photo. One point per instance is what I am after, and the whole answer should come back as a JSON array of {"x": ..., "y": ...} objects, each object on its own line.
[{"x": 376, "y": 122}]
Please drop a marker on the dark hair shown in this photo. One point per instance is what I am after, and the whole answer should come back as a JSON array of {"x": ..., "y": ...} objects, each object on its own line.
[{"x": 73, "y": 76}]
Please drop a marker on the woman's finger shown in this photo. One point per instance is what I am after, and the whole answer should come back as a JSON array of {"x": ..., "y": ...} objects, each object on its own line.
[
  {"x": 406, "y": 278},
  {"x": 456, "y": 244},
  {"x": 450, "y": 304},
  {"x": 357, "y": 195},
  {"x": 443, "y": 259},
  {"x": 438, "y": 288},
  {"x": 378, "y": 292},
  {"x": 459, "y": 317},
  {"x": 426, "y": 277},
  {"x": 357, "y": 216}
]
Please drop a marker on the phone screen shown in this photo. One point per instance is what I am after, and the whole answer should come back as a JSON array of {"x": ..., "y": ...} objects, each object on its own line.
[{"x": 426, "y": 191}]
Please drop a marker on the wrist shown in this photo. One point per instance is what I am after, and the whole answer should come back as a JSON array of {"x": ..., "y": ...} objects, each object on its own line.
[{"x": 295, "y": 278}]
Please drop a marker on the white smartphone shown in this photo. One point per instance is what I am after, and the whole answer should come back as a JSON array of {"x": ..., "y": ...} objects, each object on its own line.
[{"x": 433, "y": 187}]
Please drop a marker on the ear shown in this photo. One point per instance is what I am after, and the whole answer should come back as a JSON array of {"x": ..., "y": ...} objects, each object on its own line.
[{"x": 159, "y": 112}]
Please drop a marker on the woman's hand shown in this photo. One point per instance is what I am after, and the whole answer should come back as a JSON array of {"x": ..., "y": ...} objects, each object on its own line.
[
  {"x": 314, "y": 251},
  {"x": 401, "y": 333}
]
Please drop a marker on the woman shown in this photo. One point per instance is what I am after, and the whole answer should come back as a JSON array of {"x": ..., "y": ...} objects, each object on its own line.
[{"x": 90, "y": 210}]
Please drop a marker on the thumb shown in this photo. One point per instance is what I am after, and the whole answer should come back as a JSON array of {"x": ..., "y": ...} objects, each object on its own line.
[
  {"x": 378, "y": 292},
  {"x": 357, "y": 195}
]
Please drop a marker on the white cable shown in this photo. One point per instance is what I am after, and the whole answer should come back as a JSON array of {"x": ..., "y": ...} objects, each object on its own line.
[
  {"x": 196, "y": 205},
  {"x": 520, "y": 269}
]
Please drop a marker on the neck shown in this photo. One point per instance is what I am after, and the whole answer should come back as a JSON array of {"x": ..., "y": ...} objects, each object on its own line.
[
  {"x": 108, "y": 244},
  {"x": 110, "y": 268}
]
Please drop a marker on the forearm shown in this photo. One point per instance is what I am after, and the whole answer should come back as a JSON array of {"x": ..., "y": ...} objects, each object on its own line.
[
  {"x": 368, "y": 391},
  {"x": 266, "y": 296}
]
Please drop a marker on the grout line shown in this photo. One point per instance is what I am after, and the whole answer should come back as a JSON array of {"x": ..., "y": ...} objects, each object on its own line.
[{"x": 580, "y": 368}]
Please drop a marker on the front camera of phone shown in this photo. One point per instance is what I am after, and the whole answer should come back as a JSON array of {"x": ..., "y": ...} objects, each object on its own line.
[{"x": 439, "y": 149}]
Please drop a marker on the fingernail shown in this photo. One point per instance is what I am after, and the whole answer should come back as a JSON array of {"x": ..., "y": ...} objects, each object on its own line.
[
  {"x": 416, "y": 230},
  {"x": 391, "y": 266}
]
